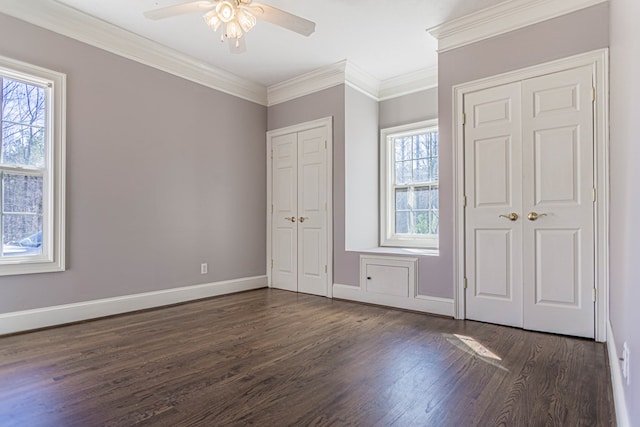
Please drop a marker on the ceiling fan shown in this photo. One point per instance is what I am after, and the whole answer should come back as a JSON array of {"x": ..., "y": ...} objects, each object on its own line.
[{"x": 236, "y": 17}]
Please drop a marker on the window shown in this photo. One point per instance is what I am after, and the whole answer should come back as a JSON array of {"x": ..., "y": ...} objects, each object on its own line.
[
  {"x": 409, "y": 185},
  {"x": 31, "y": 168}
]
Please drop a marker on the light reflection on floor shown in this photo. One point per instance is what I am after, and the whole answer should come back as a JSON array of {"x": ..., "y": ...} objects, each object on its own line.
[
  {"x": 473, "y": 347},
  {"x": 43, "y": 390}
]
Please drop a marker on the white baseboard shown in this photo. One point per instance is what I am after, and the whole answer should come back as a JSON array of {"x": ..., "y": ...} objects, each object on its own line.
[
  {"x": 426, "y": 304},
  {"x": 622, "y": 416},
  {"x": 20, "y": 321}
]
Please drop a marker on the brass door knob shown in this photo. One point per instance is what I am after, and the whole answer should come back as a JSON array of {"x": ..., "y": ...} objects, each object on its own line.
[
  {"x": 534, "y": 216},
  {"x": 290, "y": 218},
  {"x": 511, "y": 217},
  {"x": 302, "y": 218}
]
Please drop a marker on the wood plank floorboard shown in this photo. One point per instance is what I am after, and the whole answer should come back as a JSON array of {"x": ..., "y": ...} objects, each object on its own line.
[{"x": 276, "y": 358}]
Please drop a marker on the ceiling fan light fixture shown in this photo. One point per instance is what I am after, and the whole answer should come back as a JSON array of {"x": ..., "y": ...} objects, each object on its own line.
[
  {"x": 226, "y": 11},
  {"x": 233, "y": 30},
  {"x": 245, "y": 19},
  {"x": 212, "y": 20}
]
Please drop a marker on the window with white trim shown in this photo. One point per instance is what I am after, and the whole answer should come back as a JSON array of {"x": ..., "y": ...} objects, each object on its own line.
[
  {"x": 409, "y": 186},
  {"x": 31, "y": 168}
]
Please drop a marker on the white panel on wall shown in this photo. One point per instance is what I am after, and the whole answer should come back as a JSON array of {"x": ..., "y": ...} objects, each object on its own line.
[
  {"x": 392, "y": 276},
  {"x": 387, "y": 280},
  {"x": 393, "y": 282}
]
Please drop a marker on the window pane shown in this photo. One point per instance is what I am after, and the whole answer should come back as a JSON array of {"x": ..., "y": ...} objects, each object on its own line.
[
  {"x": 426, "y": 198},
  {"x": 433, "y": 144},
  {"x": 22, "y": 145},
  {"x": 402, "y": 199},
  {"x": 23, "y": 103},
  {"x": 416, "y": 172},
  {"x": 433, "y": 222},
  {"x": 426, "y": 222},
  {"x": 403, "y": 172},
  {"x": 21, "y": 235},
  {"x": 421, "y": 147},
  {"x": 433, "y": 168},
  {"x": 402, "y": 222},
  {"x": 422, "y": 222},
  {"x": 402, "y": 148},
  {"x": 421, "y": 171},
  {"x": 22, "y": 194},
  {"x": 22, "y": 200},
  {"x": 423, "y": 198}
]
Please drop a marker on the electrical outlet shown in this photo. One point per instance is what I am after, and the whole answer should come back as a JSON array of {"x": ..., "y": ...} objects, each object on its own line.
[
  {"x": 625, "y": 362},
  {"x": 204, "y": 268}
]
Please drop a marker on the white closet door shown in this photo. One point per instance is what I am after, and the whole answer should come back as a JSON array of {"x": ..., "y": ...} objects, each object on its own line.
[
  {"x": 312, "y": 220},
  {"x": 558, "y": 187},
  {"x": 493, "y": 182},
  {"x": 285, "y": 209},
  {"x": 299, "y": 219},
  {"x": 529, "y": 152}
]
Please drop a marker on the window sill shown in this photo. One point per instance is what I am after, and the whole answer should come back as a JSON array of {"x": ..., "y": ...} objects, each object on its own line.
[
  {"x": 402, "y": 251},
  {"x": 31, "y": 267}
]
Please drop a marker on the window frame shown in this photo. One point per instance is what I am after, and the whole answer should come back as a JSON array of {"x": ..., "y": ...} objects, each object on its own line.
[
  {"x": 388, "y": 237},
  {"x": 53, "y": 216}
]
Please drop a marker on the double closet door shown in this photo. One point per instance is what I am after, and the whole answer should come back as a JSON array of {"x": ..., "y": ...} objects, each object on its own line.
[
  {"x": 529, "y": 220},
  {"x": 299, "y": 212}
]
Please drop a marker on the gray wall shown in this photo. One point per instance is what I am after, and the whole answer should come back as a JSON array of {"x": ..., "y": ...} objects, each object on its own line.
[
  {"x": 625, "y": 192},
  {"x": 578, "y": 32},
  {"x": 157, "y": 169}
]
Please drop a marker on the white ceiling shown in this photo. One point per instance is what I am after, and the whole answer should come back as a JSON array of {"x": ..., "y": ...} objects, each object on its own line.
[{"x": 386, "y": 38}]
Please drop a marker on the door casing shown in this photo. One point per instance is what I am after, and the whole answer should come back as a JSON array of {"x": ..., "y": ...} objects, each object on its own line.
[
  {"x": 327, "y": 123},
  {"x": 598, "y": 60}
]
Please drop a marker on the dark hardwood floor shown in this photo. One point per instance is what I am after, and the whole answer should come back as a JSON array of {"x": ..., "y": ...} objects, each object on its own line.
[{"x": 274, "y": 358}]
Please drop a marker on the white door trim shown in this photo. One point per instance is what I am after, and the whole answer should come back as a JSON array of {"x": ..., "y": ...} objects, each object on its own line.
[
  {"x": 327, "y": 123},
  {"x": 598, "y": 59}
]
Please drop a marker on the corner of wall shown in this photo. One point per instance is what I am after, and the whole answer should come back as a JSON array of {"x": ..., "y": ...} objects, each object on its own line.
[{"x": 622, "y": 415}]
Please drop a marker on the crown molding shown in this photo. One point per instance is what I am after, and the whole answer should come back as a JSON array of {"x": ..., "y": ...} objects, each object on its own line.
[
  {"x": 307, "y": 83},
  {"x": 80, "y": 26},
  {"x": 361, "y": 81},
  {"x": 345, "y": 72},
  {"x": 426, "y": 78},
  {"x": 502, "y": 18}
]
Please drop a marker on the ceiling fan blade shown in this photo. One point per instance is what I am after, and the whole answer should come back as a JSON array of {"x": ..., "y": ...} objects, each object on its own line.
[
  {"x": 179, "y": 9},
  {"x": 284, "y": 19},
  {"x": 237, "y": 46}
]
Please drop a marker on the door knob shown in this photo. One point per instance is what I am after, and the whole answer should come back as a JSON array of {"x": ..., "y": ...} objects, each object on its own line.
[
  {"x": 302, "y": 218},
  {"x": 534, "y": 215},
  {"x": 290, "y": 218},
  {"x": 511, "y": 217}
]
